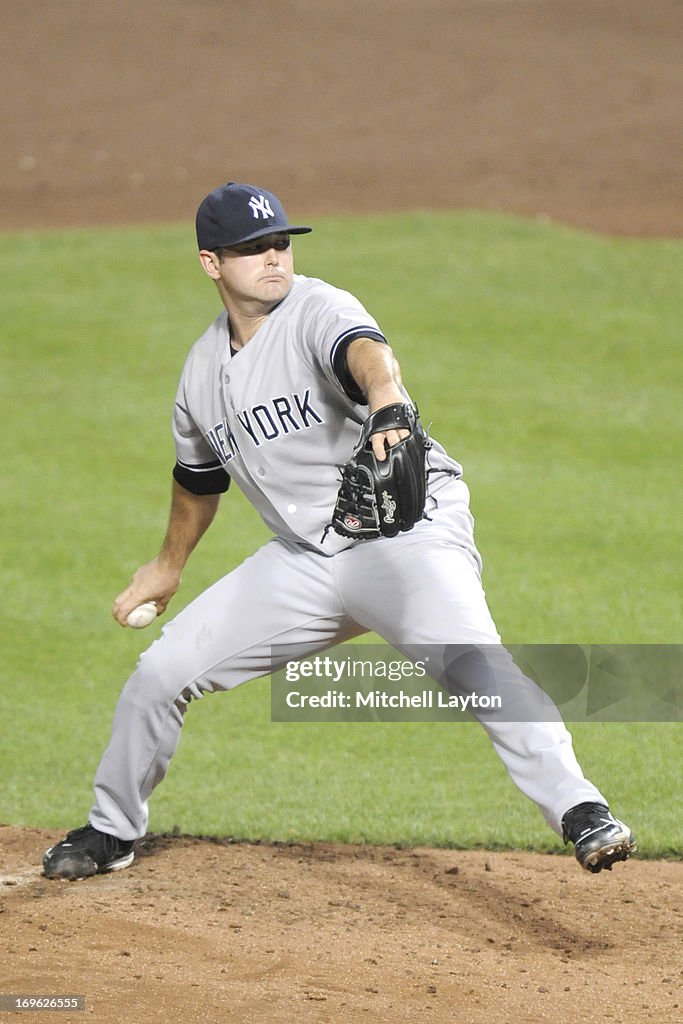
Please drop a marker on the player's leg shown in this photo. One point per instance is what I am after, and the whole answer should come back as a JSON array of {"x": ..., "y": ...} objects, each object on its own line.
[
  {"x": 283, "y": 596},
  {"x": 422, "y": 592}
]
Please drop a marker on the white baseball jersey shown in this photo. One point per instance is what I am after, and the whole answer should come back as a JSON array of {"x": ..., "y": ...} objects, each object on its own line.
[{"x": 280, "y": 416}]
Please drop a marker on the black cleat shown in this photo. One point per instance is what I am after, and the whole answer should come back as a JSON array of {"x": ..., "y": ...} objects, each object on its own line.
[
  {"x": 599, "y": 839},
  {"x": 86, "y": 852}
]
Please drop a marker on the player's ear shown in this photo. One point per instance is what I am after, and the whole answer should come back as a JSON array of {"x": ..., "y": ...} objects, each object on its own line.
[{"x": 211, "y": 263}]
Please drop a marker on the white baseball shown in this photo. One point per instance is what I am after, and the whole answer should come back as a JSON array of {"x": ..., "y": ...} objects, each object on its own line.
[{"x": 142, "y": 615}]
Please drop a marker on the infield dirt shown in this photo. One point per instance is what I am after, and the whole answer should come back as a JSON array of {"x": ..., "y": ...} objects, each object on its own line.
[
  {"x": 133, "y": 111},
  {"x": 130, "y": 112}
]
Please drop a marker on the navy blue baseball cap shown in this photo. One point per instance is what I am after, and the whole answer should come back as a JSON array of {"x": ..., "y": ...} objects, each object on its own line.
[{"x": 235, "y": 213}]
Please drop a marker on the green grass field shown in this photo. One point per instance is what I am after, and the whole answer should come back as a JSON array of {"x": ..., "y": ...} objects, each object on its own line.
[{"x": 547, "y": 360}]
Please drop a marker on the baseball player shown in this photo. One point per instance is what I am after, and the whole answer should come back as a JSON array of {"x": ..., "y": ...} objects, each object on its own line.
[{"x": 273, "y": 398}]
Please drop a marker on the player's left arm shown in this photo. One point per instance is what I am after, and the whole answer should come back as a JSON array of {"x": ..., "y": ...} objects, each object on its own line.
[
  {"x": 383, "y": 485},
  {"x": 377, "y": 373}
]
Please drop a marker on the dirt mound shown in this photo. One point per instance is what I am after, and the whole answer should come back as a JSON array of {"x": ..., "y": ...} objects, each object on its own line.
[{"x": 206, "y": 931}]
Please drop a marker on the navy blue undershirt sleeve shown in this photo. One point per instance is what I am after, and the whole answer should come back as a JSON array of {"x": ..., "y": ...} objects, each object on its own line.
[
  {"x": 340, "y": 363},
  {"x": 209, "y": 478}
]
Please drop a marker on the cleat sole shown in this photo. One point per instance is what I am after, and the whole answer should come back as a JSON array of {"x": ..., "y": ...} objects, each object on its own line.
[{"x": 609, "y": 855}]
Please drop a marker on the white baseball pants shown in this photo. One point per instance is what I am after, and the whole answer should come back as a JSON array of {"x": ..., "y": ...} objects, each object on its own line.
[{"x": 419, "y": 588}]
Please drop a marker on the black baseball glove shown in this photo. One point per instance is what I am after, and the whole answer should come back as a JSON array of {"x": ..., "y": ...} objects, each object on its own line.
[{"x": 382, "y": 498}]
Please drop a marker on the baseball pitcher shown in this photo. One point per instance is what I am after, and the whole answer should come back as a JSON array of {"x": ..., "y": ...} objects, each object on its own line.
[{"x": 293, "y": 380}]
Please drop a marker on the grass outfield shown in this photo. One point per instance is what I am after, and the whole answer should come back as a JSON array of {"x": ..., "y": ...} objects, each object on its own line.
[{"x": 547, "y": 360}]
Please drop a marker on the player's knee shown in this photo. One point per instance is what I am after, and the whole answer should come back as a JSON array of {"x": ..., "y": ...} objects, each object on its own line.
[
  {"x": 162, "y": 680},
  {"x": 158, "y": 679}
]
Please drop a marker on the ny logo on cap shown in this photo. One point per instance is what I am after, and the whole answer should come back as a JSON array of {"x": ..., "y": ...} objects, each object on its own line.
[{"x": 261, "y": 207}]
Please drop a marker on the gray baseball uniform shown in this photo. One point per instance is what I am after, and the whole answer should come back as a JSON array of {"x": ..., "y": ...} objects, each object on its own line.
[{"x": 277, "y": 418}]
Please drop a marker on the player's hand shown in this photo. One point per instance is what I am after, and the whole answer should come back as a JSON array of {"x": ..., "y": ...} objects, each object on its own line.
[
  {"x": 380, "y": 442},
  {"x": 387, "y": 439},
  {"x": 155, "y": 582}
]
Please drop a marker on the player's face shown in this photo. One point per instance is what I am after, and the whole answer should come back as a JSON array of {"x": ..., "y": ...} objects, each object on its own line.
[{"x": 260, "y": 271}]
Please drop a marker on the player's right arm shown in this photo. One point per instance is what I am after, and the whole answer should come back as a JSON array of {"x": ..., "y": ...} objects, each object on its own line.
[{"x": 158, "y": 580}]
